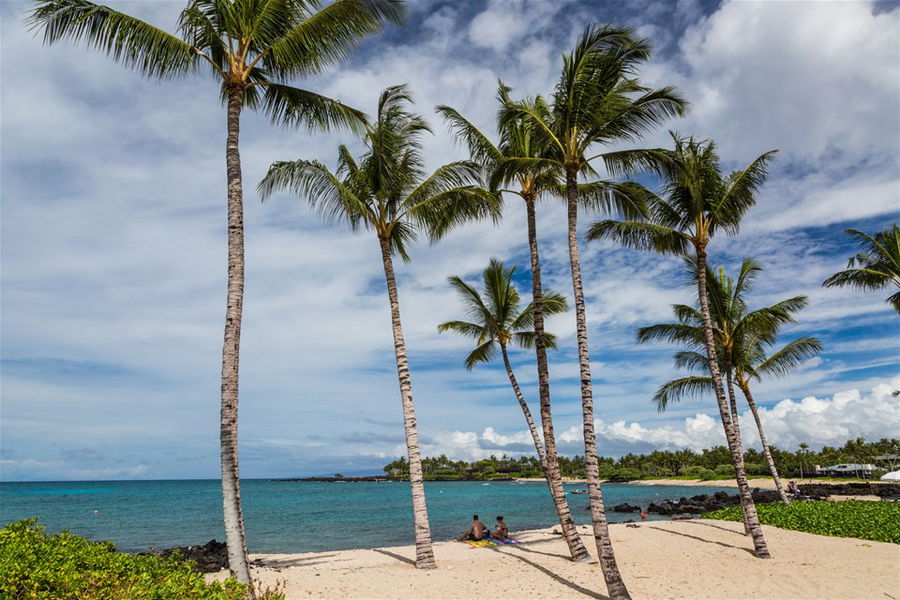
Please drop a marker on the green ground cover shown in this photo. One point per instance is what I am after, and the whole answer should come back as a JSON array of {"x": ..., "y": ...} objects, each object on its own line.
[
  {"x": 62, "y": 566},
  {"x": 878, "y": 521}
]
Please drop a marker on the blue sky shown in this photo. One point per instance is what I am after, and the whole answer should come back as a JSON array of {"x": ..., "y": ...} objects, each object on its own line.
[{"x": 113, "y": 248}]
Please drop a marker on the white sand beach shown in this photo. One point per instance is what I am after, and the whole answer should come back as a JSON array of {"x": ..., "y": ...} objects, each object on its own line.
[{"x": 694, "y": 560}]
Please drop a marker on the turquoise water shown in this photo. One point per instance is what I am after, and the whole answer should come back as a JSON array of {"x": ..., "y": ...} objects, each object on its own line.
[{"x": 283, "y": 516}]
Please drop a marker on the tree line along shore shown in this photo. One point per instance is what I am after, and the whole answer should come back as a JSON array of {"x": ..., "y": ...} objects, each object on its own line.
[{"x": 708, "y": 464}]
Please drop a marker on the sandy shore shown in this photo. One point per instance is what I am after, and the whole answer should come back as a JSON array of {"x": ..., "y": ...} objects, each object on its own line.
[{"x": 696, "y": 560}]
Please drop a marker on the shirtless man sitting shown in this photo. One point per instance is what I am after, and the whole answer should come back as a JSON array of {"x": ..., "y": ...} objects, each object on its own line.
[{"x": 476, "y": 531}]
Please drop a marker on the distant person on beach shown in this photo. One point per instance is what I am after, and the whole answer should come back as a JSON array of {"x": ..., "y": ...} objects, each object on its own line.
[
  {"x": 476, "y": 531},
  {"x": 794, "y": 489},
  {"x": 500, "y": 529},
  {"x": 643, "y": 514}
]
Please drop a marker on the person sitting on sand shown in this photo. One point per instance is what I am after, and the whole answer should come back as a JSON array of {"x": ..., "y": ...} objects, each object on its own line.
[
  {"x": 500, "y": 529},
  {"x": 476, "y": 531}
]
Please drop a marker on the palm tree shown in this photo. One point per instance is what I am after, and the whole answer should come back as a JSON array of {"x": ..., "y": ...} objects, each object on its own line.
[
  {"x": 387, "y": 190},
  {"x": 530, "y": 183},
  {"x": 499, "y": 320},
  {"x": 742, "y": 338},
  {"x": 698, "y": 202},
  {"x": 876, "y": 267},
  {"x": 598, "y": 100},
  {"x": 250, "y": 47}
]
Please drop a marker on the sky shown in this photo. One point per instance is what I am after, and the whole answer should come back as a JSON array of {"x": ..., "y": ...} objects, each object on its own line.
[{"x": 113, "y": 248}]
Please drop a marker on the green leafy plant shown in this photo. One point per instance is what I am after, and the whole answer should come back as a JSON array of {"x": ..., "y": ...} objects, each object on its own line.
[
  {"x": 63, "y": 566},
  {"x": 878, "y": 521}
]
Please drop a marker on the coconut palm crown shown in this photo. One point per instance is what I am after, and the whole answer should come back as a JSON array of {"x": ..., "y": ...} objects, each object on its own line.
[
  {"x": 876, "y": 267},
  {"x": 252, "y": 47},
  {"x": 389, "y": 192},
  {"x": 497, "y": 317}
]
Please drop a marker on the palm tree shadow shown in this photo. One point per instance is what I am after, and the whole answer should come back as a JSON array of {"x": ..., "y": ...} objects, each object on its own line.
[
  {"x": 551, "y": 554},
  {"x": 296, "y": 562},
  {"x": 716, "y": 527},
  {"x": 395, "y": 556},
  {"x": 554, "y": 576},
  {"x": 700, "y": 539}
]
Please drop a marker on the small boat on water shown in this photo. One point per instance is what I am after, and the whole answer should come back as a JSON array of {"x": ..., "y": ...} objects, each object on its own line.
[{"x": 578, "y": 491}]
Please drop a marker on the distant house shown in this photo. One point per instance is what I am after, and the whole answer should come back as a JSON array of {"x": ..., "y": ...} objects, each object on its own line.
[{"x": 847, "y": 469}]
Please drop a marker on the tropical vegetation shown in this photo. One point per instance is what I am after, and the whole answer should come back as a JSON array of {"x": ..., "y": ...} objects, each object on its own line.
[
  {"x": 388, "y": 192},
  {"x": 709, "y": 463},
  {"x": 63, "y": 566},
  {"x": 251, "y": 49},
  {"x": 877, "y": 521},
  {"x": 875, "y": 267}
]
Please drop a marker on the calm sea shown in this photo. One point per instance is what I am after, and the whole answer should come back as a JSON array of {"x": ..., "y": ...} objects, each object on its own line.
[{"x": 296, "y": 516}]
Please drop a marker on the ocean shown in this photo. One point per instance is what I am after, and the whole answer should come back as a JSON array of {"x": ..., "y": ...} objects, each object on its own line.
[{"x": 295, "y": 516}]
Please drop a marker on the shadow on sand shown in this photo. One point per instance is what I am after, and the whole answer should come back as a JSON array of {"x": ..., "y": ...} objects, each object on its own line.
[
  {"x": 700, "y": 539},
  {"x": 303, "y": 561},
  {"x": 403, "y": 559},
  {"x": 569, "y": 584}
]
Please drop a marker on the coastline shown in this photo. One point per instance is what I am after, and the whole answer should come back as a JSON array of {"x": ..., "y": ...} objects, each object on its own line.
[{"x": 713, "y": 561}]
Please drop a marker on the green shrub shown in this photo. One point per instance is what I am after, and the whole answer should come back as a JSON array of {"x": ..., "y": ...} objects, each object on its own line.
[
  {"x": 878, "y": 521},
  {"x": 625, "y": 474},
  {"x": 724, "y": 469},
  {"x": 35, "y": 565},
  {"x": 698, "y": 472}
]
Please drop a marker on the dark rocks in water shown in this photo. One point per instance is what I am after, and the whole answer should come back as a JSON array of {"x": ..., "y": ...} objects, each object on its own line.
[
  {"x": 625, "y": 507},
  {"x": 822, "y": 490},
  {"x": 704, "y": 503},
  {"x": 211, "y": 557}
]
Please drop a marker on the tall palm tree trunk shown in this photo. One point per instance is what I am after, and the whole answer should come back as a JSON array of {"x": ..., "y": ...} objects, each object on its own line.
[
  {"x": 759, "y": 541},
  {"x": 614, "y": 583},
  {"x": 535, "y": 436},
  {"x": 551, "y": 469},
  {"x": 732, "y": 400},
  {"x": 424, "y": 552},
  {"x": 745, "y": 388},
  {"x": 235, "y": 538}
]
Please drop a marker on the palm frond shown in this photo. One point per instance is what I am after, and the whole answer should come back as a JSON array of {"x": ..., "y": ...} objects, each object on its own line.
[
  {"x": 292, "y": 106},
  {"x": 485, "y": 353},
  {"x": 327, "y": 36},
  {"x": 788, "y": 358},
  {"x": 130, "y": 41},
  {"x": 640, "y": 235},
  {"x": 322, "y": 189},
  {"x": 679, "y": 389},
  {"x": 481, "y": 149}
]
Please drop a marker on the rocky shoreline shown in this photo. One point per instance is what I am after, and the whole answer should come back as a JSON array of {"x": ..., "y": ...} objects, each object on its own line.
[{"x": 702, "y": 503}]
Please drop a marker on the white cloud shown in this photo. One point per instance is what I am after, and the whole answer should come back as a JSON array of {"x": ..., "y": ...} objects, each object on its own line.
[{"x": 816, "y": 421}]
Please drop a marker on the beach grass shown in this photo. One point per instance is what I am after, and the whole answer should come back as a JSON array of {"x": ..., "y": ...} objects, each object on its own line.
[{"x": 877, "y": 521}]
